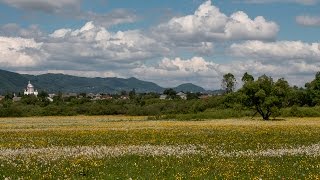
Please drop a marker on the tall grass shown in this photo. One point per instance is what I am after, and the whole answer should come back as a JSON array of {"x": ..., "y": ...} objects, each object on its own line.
[
  {"x": 210, "y": 114},
  {"x": 293, "y": 111},
  {"x": 296, "y": 111}
]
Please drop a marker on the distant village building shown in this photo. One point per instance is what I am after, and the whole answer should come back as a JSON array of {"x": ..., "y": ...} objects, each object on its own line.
[
  {"x": 91, "y": 95},
  {"x": 182, "y": 95},
  {"x": 96, "y": 97},
  {"x": 16, "y": 99},
  {"x": 125, "y": 97},
  {"x": 106, "y": 97},
  {"x": 52, "y": 95},
  {"x": 30, "y": 90},
  {"x": 69, "y": 95},
  {"x": 163, "y": 96}
]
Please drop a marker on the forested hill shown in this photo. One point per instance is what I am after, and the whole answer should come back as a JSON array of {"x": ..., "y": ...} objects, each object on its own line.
[
  {"x": 11, "y": 82},
  {"x": 189, "y": 87},
  {"x": 14, "y": 82}
]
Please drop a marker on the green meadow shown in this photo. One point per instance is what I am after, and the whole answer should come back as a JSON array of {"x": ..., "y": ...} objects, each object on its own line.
[{"x": 125, "y": 147}]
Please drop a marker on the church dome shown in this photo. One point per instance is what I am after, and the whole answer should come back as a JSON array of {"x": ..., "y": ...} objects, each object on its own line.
[
  {"x": 30, "y": 85},
  {"x": 30, "y": 90}
]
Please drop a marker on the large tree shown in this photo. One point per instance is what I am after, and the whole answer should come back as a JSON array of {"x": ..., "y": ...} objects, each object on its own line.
[
  {"x": 313, "y": 91},
  {"x": 228, "y": 83},
  {"x": 265, "y": 95},
  {"x": 171, "y": 93},
  {"x": 247, "y": 78}
]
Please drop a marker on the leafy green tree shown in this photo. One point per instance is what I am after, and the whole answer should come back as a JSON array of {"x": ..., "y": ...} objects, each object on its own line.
[
  {"x": 193, "y": 95},
  {"x": 313, "y": 90},
  {"x": 43, "y": 95},
  {"x": 29, "y": 100},
  {"x": 151, "y": 95},
  {"x": 6, "y": 103},
  {"x": 132, "y": 94},
  {"x": 58, "y": 99},
  {"x": 247, "y": 78},
  {"x": 228, "y": 83},
  {"x": 9, "y": 96},
  {"x": 265, "y": 96},
  {"x": 171, "y": 94},
  {"x": 123, "y": 93},
  {"x": 281, "y": 90},
  {"x": 234, "y": 100},
  {"x": 297, "y": 97}
]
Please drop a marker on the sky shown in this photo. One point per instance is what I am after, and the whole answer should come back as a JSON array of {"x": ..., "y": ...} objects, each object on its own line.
[{"x": 166, "y": 42}]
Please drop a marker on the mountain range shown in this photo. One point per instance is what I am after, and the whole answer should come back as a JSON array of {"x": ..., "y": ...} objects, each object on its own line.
[{"x": 52, "y": 83}]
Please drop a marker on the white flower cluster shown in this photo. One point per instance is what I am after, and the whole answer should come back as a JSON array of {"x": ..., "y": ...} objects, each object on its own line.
[
  {"x": 312, "y": 150},
  {"x": 54, "y": 153}
]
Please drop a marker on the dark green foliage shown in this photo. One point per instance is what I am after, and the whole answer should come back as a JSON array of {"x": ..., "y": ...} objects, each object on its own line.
[
  {"x": 313, "y": 91},
  {"x": 11, "y": 82},
  {"x": 191, "y": 96},
  {"x": 29, "y": 100},
  {"x": 171, "y": 93},
  {"x": 247, "y": 78},
  {"x": 132, "y": 94},
  {"x": 43, "y": 95},
  {"x": 296, "y": 111},
  {"x": 297, "y": 96},
  {"x": 228, "y": 83},
  {"x": 9, "y": 96},
  {"x": 265, "y": 96}
]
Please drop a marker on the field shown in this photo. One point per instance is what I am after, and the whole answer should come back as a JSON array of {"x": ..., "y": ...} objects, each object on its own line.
[{"x": 122, "y": 147}]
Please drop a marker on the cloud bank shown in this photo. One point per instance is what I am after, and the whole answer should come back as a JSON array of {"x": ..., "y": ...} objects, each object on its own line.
[
  {"x": 199, "y": 48},
  {"x": 208, "y": 24}
]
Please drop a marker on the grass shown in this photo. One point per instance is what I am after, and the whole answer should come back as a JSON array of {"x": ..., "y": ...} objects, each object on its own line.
[
  {"x": 123, "y": 147},
  {"x": 209, "y": 114}
]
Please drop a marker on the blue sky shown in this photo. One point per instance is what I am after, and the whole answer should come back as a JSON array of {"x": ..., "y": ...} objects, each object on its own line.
[{"x": 193, "y": 41}]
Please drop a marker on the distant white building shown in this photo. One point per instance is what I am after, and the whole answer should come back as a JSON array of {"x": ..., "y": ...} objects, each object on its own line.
[
  {"x": 163, "y": 97},
  {"x": 30, "y": 90},
  {"x": 182, "y": 95},
  {"x": 52, "y": 95}
]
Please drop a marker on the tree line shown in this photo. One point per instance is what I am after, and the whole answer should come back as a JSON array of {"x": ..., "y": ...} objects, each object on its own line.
[
  {"x": 263, "y": 97},
  {"x": 266, "y": 96}
]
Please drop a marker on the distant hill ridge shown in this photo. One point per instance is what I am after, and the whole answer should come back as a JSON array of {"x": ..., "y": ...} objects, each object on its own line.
[{"x": 14, "y": 82}]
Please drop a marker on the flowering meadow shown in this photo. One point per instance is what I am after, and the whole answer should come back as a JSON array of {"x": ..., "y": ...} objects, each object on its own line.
[{"x": 124, "y": 147}]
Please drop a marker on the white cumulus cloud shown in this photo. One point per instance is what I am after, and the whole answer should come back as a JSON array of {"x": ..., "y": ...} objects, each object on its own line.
[
  {"x": 208, "y": 73},
  {"x": 93, "y": 46},
  {"x": 208, "y": 24},
  {"x": 277, "y": 51},
  {"x": 204, "y": 36},
  {"x": 19, "y": 52}
]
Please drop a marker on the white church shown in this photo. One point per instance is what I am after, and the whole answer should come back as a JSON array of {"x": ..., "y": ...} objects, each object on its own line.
[{"x": 30, "y": 90}]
